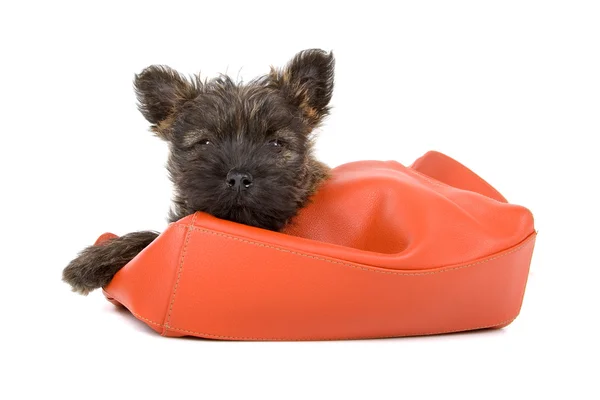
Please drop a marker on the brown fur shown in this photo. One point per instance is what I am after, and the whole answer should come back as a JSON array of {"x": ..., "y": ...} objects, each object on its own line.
[{"x": 219, "y": 131}]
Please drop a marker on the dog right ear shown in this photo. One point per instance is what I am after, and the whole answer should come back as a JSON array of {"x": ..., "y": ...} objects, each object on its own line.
[
  {"x": 307, "y": 82},
  {"x": 160, "y": 92}
]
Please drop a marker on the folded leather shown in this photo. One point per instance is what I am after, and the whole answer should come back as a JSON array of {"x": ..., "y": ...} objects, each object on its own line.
[{"x": 382, "y": 250}]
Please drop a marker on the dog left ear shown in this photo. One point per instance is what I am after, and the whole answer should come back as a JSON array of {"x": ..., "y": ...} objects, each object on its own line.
[
  {"x": 307, "y": 82},
  {"x": 161, "y": 91}
]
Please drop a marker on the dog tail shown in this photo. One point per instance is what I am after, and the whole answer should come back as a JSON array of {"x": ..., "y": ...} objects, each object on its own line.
[{"x": 96, "y": 265}]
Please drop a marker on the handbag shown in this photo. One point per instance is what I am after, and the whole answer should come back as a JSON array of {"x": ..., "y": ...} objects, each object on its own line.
[{"x": 381, "y": 250}]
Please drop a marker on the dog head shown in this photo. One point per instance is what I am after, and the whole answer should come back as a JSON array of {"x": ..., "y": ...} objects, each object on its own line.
[{"x": 241, "y": 152}]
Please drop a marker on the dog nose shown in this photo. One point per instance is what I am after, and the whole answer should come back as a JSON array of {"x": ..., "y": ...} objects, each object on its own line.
[{"x": 239, "y": 180}]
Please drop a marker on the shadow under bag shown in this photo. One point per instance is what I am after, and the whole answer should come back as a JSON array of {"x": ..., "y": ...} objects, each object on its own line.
[{"x": 382, "y": 250}]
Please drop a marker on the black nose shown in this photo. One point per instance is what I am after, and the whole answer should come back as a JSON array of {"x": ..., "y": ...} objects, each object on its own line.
[{"x": 239, "y": 180}]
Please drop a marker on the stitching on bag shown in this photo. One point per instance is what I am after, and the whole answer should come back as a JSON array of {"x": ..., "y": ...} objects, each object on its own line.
[
  {"x": 363, "y": 268},
  {"x": 147, "y": 320},
  {"x": 183, "y": 252},
  {"x": 208, "y": 335},
  {"x": 313, "y": 338}
]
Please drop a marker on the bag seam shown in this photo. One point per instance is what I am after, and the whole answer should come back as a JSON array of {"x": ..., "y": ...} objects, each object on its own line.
[
  {"x": 179, "y": 271},
  {"x": 209, "y": 335},
  {"x": 361, "y": 267}
]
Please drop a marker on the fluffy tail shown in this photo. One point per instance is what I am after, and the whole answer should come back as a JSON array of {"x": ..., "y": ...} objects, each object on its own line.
[{"x": 96, "y": 265}]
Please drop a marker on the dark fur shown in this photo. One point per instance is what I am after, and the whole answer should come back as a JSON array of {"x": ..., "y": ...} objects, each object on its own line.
[
  {"x": 217, "y": 127},
  {"x": 95, "y": 266}
]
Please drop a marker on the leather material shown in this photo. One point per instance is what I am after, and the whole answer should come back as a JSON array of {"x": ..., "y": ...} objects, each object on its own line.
[
  {"x": 382, "y": 250},
  {"x": 104, "y": 237}
]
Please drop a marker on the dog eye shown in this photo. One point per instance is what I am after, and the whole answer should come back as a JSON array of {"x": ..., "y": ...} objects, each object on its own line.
[
  {"x": 275, "y": 143},
  {"x": 204, "y": 142}
]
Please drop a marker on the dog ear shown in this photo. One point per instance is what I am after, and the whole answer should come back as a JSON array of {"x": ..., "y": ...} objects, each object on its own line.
[
  {"x": 307, "y": 82},
  {"x": 160, "y": 91}
]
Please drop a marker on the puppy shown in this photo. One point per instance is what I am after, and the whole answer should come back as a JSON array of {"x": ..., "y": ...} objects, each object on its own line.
[{"x": 241, "y": 152}]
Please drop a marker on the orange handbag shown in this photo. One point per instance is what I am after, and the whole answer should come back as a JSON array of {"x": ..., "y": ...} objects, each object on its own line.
[{"x": 382, "y": 250}]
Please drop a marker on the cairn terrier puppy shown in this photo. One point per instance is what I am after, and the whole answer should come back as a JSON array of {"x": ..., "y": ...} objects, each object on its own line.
[{"x": 241, "y": 152}]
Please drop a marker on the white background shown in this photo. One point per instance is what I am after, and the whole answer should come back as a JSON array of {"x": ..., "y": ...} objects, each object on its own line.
[{"x": 511, "y": 89}]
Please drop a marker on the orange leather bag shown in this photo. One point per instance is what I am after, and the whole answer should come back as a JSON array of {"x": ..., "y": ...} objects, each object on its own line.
[{"x": 382, "y": 250}]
